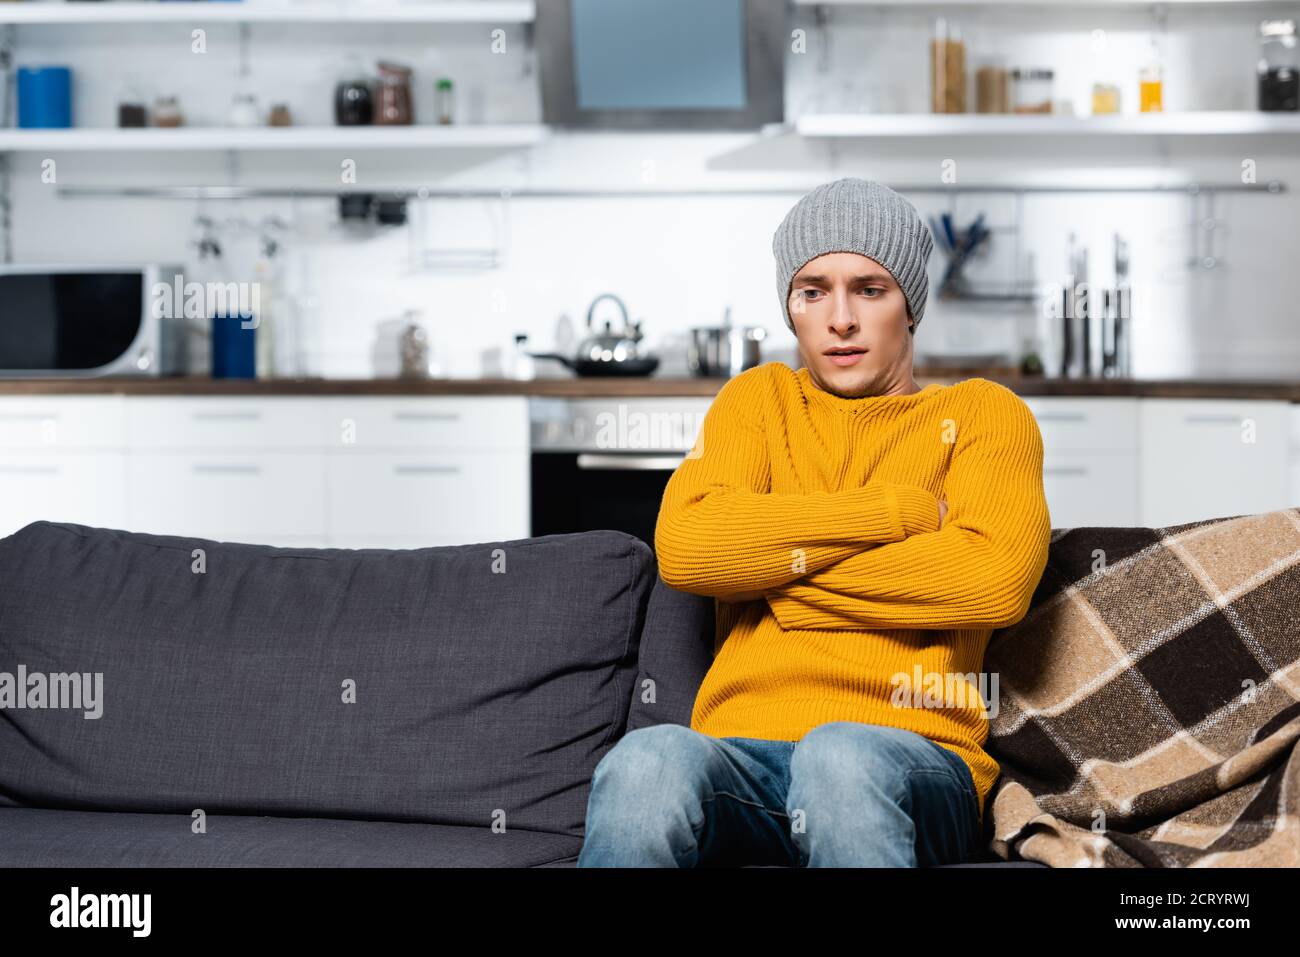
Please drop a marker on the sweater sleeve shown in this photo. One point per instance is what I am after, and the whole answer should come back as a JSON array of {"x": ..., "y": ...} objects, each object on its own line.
[
  {"x": 722, "y": 532},
  {"x": 978, "y": 571}
]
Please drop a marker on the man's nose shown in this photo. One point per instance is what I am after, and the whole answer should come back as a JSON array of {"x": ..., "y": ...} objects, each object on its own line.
[{"x": 841, "y": 314}]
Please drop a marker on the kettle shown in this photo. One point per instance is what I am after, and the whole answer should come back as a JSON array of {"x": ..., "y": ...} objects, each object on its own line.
[{"x": 611, "y": 352}]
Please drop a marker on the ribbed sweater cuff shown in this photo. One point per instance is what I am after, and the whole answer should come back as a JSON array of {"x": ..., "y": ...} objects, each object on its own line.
[{"x": 918, "y": 510}]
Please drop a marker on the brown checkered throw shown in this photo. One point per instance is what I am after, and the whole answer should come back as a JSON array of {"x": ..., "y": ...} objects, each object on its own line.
[{"x": 1148, "y": 705}]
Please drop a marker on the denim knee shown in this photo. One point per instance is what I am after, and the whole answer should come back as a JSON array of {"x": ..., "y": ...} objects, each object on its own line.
[
  {"x": 653, "y": 760},
  {"x": 849, "y": 750}
]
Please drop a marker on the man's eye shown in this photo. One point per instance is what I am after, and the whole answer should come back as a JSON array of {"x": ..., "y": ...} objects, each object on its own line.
[{"x": 874, "y": 291}]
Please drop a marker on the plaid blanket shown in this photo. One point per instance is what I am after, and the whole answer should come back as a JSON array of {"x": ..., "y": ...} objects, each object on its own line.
[{"x": 1148, "y": 704}]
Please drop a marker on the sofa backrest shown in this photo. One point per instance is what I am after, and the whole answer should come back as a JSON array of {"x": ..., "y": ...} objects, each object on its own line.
[
  {"x": 676, "y": 651},
  {"x": 453, "y": 685}
]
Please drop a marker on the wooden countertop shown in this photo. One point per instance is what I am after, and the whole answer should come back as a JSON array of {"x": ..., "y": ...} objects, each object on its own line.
[{"x": 1277, "y": 389}]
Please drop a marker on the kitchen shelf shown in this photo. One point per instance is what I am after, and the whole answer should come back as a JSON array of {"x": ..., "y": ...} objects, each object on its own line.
[
  {"x": 314, "y": 11},
  {"x": 173, "y": 139},
  {"x": 1040, "y": 4},
  {"x": 920, "y": 125}
]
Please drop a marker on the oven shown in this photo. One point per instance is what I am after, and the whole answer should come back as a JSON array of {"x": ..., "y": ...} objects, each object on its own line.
[{"x": 604, "y": 462}]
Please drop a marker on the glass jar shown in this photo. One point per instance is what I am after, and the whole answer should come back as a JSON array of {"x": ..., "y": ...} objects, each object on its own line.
[
  {"x": 1032, "y": 90},
  {"x": 1151, "y": 96},
  {"x": 1105, "y": 98},
  {"x": 992, "y": 86},
  {"x": 444, "y": 101},
  {"x": 1279, "y": 66},
  {"x": 244, "y": 111},
  {"x": 167, "y": 112},
  {"x": 947, "y": 68},
  {"x": 394, "y": 106},
  {"x": 354, "y": 104},
  {"x": 131, "y": 109}
]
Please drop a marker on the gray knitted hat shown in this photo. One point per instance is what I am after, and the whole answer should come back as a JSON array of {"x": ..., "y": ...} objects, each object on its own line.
[{"x": 856, "y": 216}]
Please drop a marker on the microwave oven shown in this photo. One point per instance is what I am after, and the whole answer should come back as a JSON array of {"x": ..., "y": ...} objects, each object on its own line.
[{"x": 82, "y": 321}]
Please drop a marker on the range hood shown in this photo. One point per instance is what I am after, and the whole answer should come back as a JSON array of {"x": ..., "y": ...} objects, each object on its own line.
[{"x": 662, "y": 64}]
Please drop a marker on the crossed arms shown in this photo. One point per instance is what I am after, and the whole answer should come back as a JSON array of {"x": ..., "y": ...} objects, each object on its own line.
[{"x": 867, "y": 557}]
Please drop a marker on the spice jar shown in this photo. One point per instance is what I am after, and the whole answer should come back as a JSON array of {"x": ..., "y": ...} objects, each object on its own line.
[
  {"x": 280, "y": 115},
  {"x": 131, "y": 111},
  {"x": 947, "y": 69},
  {"x": 167, "y": 112},
  {"x": 1105, "y": 98},
  {"x": 444, "y": 101},
  {"x": 992, "y": 87},
  {"x": 394, "y": 106},
  {"x": 1032, "y": 89}
]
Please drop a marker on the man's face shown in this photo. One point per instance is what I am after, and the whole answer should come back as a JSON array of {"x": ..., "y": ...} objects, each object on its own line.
[{"x": 845, "y": 301}]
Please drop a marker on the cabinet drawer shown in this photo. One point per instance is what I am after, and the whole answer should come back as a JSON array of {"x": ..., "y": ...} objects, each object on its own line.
[
  {"x": 441, "y": 422},
  {"x": 1070, "y": 424},
  {"x": 1211, "y": 458},
  {"x": 88, "y": 488},
  {"x": 224, "y": 423},
  {"x": 431, "y": 497},
  {"x": 61, "y": 422},
  {"x": 257, "y": 497},
  {"x": 1091, "y": 488}
]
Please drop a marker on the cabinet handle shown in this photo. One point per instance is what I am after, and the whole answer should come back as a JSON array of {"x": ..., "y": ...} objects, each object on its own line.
[
  {"x": 1208, "y": 418},
  {"x": 425, "y": 469},
  {"x": 226, "y": 416},
  {"x": 640, "y": 463},
  {"x": 1067, "y": 469},
  {"x": 1061, "y": 416},
  {"x": 28, "y": 416},
  {"x": 426, "y": 416},
  {"x": 29, "y": 470},
  {"x": 212, "y": 468}
]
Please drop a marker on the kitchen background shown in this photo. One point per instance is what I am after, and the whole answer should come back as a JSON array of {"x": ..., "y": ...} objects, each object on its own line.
[{"x": 1147, "y": 151}]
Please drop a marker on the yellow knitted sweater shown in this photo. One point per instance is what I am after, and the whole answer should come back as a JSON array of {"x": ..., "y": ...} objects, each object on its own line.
[{"x": 813, "y": 519}]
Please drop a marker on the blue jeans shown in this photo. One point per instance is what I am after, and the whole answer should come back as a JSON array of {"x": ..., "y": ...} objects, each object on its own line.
[{"x": 847, "y": 794}]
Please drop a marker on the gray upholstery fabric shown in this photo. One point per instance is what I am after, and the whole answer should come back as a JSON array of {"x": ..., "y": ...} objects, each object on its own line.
[
  {"x": 33, "y": 837},
  {"x": 478, "y": 694},
  {"x": 676, "y": 651}
]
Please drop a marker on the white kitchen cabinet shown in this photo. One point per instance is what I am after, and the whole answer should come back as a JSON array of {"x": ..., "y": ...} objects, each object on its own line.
[
  {"x": 219, "y": 422},
  {"x": 62, "y": 460},
  {"x": 1090, "y": 459},
  {"x": 269, "y": 498},
  {"x": 411, "y": 472},
  {"x": 371, "y": 423},
  {"x": 1211, "y": 458},
  {"x": 85, "y": 487},
  {"x": 61, "y": 422},
  {"x": 418, "y": 495}
]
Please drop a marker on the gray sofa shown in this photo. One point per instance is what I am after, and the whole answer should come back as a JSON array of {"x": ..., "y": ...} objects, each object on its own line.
[{"x": 262, "y": 706}]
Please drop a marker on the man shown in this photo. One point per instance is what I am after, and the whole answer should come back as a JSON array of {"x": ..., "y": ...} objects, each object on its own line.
[{"x": 863, "y": 537}]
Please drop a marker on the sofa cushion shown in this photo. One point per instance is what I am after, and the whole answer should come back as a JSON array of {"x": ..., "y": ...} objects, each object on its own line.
[
  {"x": 489, "y": 679},
  {"x": 676, "y": 651},
  {"x": 40, "y": 837}
]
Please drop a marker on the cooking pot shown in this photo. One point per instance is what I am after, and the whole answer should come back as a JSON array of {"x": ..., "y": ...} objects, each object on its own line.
[
  {"x": 611, "y": 352},
  {"x": 724, "y": 350}
]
